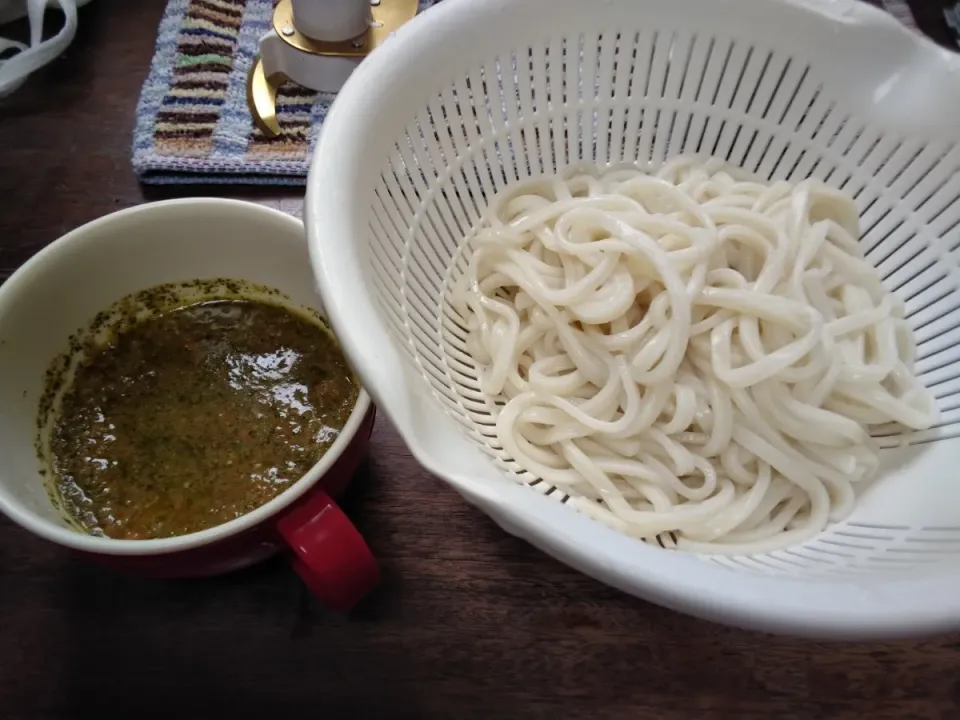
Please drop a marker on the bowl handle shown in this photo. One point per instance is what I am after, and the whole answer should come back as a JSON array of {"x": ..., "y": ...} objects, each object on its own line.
[{"x": 329, "y": 554}]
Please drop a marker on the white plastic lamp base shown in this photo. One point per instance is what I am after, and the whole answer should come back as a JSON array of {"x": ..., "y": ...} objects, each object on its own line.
[
  {"x": 318, "y": 44},
  {"x": 323, "y": 73},
  {"x": 325, "y": 21}
]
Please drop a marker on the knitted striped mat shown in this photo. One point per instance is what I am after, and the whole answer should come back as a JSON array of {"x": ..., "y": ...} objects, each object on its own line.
[{"x": 193, "y": 125}]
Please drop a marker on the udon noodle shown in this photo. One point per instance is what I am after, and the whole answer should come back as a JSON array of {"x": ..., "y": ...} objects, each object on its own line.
[{"x": 692, "y": 356}]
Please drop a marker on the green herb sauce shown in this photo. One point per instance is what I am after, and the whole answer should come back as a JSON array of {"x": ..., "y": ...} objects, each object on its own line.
[{"x": 196, "y": 416}]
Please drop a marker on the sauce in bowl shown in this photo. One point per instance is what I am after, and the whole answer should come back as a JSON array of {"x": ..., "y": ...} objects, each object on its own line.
[{"x": 195, "y": 416}]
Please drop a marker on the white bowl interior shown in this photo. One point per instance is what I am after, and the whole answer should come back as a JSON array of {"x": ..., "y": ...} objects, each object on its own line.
[
  {"x": 476, "y": 94},
  {"x": 60, "y": 290}
]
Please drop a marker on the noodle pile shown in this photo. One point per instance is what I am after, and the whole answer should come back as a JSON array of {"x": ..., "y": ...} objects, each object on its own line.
[{"x": 690, "y": 355}]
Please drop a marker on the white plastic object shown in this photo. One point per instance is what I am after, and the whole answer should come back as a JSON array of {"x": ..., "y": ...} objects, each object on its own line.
[
  {"x": 475, "y": 94},
  {"x": 323, "y": 73},
  {"x": 15, "y": 69},
  {"x": 331, "y": 20}
]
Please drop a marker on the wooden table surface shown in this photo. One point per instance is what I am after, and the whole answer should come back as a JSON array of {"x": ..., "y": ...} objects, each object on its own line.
[{"x": 468, "y": 622}]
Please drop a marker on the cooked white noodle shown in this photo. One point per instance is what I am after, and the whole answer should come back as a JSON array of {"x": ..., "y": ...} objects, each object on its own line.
[{"x": 689, "y": 353}]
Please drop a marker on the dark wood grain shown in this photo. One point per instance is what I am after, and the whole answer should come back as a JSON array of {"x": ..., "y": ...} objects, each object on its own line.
[{"x": 468, "y": 622}]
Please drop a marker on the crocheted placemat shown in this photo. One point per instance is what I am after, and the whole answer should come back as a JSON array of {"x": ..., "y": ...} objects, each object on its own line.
[{"x": 193, "y": 125}]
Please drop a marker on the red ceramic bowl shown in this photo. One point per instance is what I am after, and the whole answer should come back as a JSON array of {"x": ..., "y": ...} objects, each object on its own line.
[{"x": 62, "y": 288}]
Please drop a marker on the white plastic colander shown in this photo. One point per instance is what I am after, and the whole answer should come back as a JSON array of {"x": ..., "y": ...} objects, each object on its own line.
[{"x": 476, "y": 94}]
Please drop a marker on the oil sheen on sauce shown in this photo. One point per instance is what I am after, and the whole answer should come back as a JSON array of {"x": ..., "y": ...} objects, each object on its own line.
[{"x": 197, "y": 416}]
